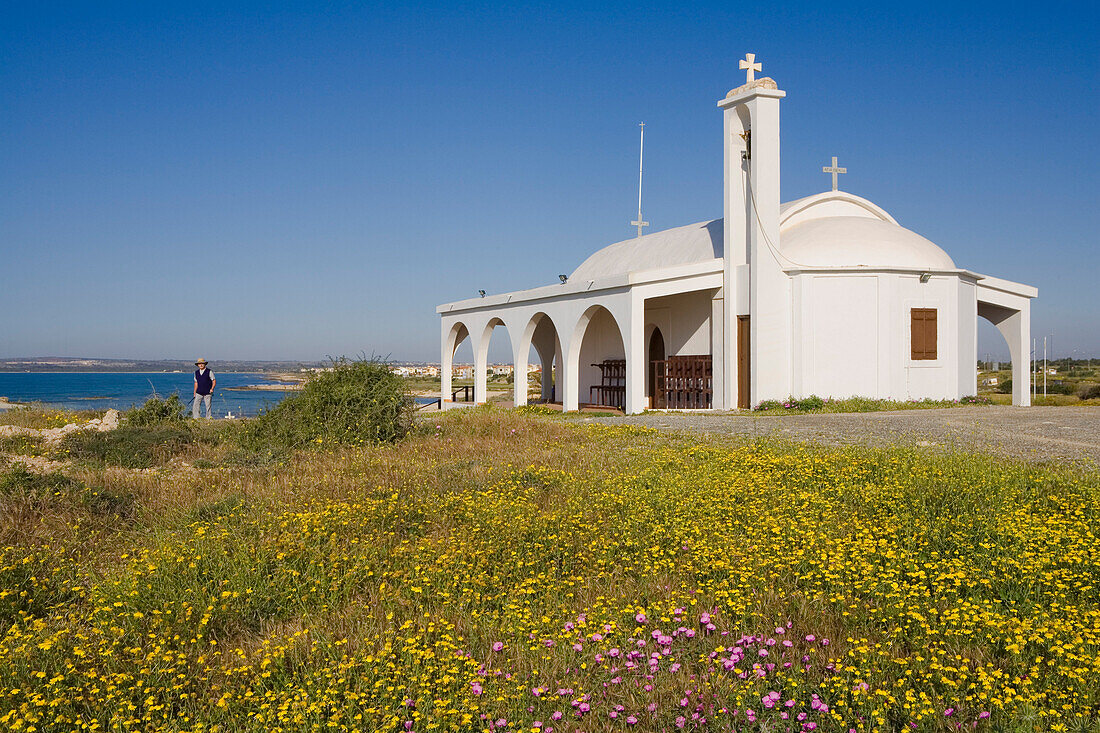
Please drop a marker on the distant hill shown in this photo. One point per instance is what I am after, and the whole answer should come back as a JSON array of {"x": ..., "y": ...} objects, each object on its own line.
[{"x": 75, "y": 364}]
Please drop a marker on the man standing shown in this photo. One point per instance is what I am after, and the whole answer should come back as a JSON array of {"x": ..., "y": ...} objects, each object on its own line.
[{"x": 204, "y": 389}]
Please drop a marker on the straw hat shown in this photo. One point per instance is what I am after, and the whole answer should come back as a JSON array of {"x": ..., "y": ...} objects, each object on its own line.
[{"x": 200, "y": 361}]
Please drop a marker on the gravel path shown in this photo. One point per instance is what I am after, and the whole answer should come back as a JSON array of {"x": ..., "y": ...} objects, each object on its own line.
[{"x": 1034, "y": 433}]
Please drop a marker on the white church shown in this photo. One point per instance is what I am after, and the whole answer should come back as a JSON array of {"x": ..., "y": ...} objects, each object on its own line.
[{"x": 827, "y": 295}]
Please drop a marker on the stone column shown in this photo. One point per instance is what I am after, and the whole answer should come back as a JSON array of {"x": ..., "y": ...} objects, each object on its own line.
[
  {"x": 481, "y": 365},
  {"x": 446, "y": 362},
  {"x": 519, "y": 374},
  {"x": 635, "y": 347}
]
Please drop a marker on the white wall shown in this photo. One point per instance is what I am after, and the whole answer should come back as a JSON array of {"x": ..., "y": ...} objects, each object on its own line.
[
  {"x": 967, "y": 354},
  {"x": 684, "y": 321},
  {"x": 852, "y": 336},
  {"x": 842, "y": 346},
  {"x": 927, "y": 378}
]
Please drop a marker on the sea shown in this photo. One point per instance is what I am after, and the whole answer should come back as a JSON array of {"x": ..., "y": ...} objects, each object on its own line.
[{"x": 123, "y": 390}]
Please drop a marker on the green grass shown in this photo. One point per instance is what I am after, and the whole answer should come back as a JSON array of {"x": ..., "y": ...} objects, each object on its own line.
[
  {"x": 38, "y": 417},
  {"x": 1054, "y": 400},
  {"x": 24, "y": 445},
  {"x": 815, "y": 404}
]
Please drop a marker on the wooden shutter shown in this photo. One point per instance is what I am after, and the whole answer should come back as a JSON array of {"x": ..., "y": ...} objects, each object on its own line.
[{"x": 922, "y": 333}]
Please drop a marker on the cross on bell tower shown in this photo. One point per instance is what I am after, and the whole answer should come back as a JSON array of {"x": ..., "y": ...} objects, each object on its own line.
[
  {"x": 834, "y": 169},
  {"x": 751, "y": 66}
]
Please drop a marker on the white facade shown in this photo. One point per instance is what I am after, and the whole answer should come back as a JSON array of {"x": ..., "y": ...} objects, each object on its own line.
[{"x": 826, "y": 295}]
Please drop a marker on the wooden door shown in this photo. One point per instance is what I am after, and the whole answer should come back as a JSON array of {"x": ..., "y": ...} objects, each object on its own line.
[
  {"x": 743, "y": 393},
  {"x": 656, "y": 353}
]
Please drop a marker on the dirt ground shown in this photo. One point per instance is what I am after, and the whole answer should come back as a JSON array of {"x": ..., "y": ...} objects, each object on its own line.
[{"x": 1034, "y": 433}]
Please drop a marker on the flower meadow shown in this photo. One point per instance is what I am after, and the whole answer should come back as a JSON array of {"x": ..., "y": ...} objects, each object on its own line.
[{"x": 497, "y": 571}]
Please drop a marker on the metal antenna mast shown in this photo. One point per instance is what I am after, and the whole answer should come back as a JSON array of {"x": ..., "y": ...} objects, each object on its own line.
[{"x": 641, "y": 148}]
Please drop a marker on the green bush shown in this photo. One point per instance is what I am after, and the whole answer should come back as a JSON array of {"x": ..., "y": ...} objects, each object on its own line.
[
  {"x": 1005, "y": 387},
  {"x": 354, "y": 402},
  {"x": 813, "y": 402},
  {"x": 156, "y": 411},
  {"x": 129, "y": 446},
  {"x": 1089, "y": 392}
]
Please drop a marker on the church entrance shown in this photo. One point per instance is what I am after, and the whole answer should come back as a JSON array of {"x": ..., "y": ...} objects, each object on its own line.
[
  {"x": 656, "y": 354},
  {"x": 743, "y": 393}
]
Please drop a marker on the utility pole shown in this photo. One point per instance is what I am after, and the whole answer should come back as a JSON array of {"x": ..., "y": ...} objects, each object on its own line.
[
  {"x": 1034, "y": 376},
  {"x": 1044, "y": 365}
]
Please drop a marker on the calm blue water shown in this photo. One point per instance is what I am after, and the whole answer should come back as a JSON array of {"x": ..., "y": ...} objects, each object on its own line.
[{"x": 100, "y": 391}]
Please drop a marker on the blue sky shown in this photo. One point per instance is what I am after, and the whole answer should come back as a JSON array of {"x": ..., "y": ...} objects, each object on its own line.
[{"x": 296, "y": 181}]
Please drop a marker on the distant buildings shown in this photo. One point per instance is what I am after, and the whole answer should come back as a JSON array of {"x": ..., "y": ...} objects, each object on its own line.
[{"x": 458, "y": 371}]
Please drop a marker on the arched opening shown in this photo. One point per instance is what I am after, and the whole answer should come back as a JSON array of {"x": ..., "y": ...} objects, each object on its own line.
[
  {"x": 543, "y": 348},
  {"x": 998, "y": 347},
  {"x": 457, "y": 368},
  {"x": 601, "y": 360},
  {"x": 656, "y": 353},
  {"x": 494, "y": 382}
]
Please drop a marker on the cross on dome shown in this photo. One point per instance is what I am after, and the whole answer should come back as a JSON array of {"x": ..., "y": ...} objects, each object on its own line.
[
  {"x": 751, "y": 66},
  {"x": 834, "y": 170}
]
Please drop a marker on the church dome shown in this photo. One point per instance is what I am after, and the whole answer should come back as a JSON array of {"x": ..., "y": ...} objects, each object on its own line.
[
  {"x": 684, "y": 245},
  {"x": 830, "y": 229},
  {"x": 859, "y": 241}
]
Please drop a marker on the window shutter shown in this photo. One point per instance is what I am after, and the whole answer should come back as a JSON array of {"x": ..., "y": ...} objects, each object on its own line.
[{"x": 923, "y": 333}]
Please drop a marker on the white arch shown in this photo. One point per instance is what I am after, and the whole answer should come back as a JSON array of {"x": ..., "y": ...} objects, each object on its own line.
[
  {"x": 453, "y": 336},
  {"x": 548, "y": 352},
  {"x": 828, "y": 204},
  {"x": 481, "y": 358},
  {"x": 1014, "y": 325},
  {"x": 571, "y": 387}
]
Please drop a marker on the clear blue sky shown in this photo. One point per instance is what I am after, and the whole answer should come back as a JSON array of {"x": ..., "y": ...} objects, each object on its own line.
[{"x": 313, "y": 179}]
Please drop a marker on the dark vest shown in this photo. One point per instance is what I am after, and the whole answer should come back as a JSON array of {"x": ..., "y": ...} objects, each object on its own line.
[{"x": 205, "y": 381}]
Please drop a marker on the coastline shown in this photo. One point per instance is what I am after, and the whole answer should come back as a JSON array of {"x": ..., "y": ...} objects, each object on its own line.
[{"x": 97, "y": 391}]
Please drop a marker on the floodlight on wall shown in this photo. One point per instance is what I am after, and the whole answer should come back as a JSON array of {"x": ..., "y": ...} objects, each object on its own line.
[
  {"x": 925, "y": 277},
  {"x": 481, "y": 293},
  {"x": 563, "y": 278}
]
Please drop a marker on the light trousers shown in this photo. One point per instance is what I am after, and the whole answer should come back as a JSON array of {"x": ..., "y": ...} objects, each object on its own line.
[{"x": 199, "y": 398}]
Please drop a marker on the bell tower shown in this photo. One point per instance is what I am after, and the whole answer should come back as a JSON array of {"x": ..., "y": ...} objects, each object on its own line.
[{"x": 751, "y": 242}]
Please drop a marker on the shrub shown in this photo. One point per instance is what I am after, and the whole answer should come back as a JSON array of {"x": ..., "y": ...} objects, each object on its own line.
[
  {"x": 813, "y": 402},
  {"x": 354, "y": 402},
  {"x": 1005, "y": 387},
  {"x": 156, "y": 411},
  {"x": 1089, "y": 392}
]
